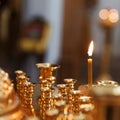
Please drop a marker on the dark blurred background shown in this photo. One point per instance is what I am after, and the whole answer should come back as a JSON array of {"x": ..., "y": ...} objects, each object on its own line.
[{"x": 59, "y": 32}]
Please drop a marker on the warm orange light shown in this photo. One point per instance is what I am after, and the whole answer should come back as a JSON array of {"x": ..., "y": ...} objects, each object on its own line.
[
  {"x": 109, "y": 16},
  {"x": 103, "y": 14},
  {"x": 114, "y": 16},
  {"x": 90, "y": 50}
]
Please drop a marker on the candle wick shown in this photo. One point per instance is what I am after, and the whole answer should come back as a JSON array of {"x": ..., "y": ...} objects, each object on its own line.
[{"x": 89, "y": 57}]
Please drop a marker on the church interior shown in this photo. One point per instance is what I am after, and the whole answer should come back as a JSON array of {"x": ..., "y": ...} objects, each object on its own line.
[{"x": 59, "y": 60}]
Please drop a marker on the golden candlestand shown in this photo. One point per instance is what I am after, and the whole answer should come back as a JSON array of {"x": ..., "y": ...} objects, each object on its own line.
[
  {"x": 70, "y": 83},
  {"x": 108, "y": 19},
  {"x": 20, "y": 73},
  {"x": 46, "y": 70},
  {"x": 46, "y": 79},
  {"x": 25, "y": 91}
]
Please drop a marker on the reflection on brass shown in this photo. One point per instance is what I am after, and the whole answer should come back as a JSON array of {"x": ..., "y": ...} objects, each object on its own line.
[
  {"x": 70, "y": 82},
  {"x": 62, "y": 88},
  {"x": 52, "y": 114},
  {"x": 20, "y": 73},
  {"x": 9, "y": 103},
  {"x": 86, "y": 104},
  {"x": 46, "y": 70},
  {"x": 107, "y": 83},
  {"x": 57, "y": 97},
  {"x": 32, "y": 118},
  {"x": 60, "y": 105},
  {"x": 79, "y": 116}
]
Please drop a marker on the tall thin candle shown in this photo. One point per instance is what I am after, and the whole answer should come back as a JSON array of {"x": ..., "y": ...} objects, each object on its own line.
[{"x": 90, "y": 51}]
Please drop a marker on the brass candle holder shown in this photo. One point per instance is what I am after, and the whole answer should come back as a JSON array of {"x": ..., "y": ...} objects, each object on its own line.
[
  {"x": 46, "y": 79},
  {"x": 62, "y": 89},
  {"x": 70, "y": 88},
  {"x": 45, "y": 101},
  {"x": 70, "y": 82},
  {"x": 75, "y": 101},
  {"x": 62, "y": 97},
  {"x": 27, "y": 98},
  {"x": 20, "y": 87},
  {"x": 25, "y": 91},
  {"x": 20, "y": 79},
  {"x": 46, "y": 70}
]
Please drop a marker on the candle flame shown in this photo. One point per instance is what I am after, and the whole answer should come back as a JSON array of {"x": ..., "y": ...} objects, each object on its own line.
[{"x": 90, "y": 50}]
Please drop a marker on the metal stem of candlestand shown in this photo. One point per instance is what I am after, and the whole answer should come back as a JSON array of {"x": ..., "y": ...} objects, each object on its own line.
[
  {"x": 107, "y": 24},
  {"x": 106, "y": 57}
]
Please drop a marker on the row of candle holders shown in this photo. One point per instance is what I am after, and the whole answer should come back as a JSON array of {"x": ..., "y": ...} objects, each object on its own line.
[
  {"x": 61, "y": 101},
  {"x": 57, "y": 101}
]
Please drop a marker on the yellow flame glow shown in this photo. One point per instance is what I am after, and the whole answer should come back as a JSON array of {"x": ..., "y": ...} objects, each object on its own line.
[
  {"x": 109, "y": 15},
  {"x": 103, "y": 14},
  {"x": 90, "y": 50},
  {"x": 114, "y": 16}
]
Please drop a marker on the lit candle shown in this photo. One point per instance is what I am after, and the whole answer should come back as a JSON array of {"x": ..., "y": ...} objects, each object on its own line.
[{"x": 90, "y": 51}]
